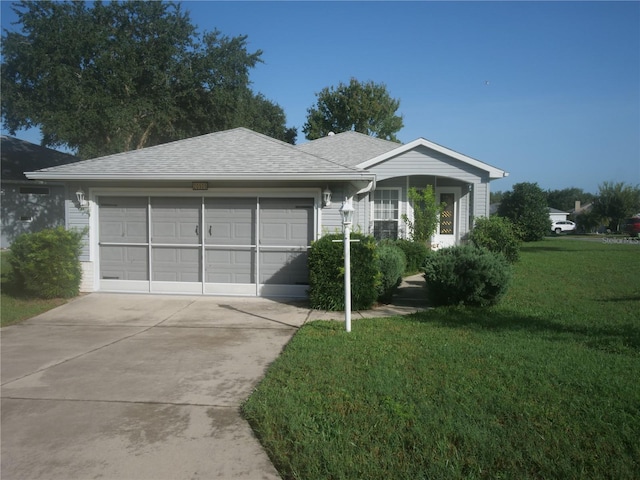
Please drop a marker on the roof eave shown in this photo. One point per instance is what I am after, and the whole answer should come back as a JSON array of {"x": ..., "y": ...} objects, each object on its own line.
[{"x": 346, "y": 176}]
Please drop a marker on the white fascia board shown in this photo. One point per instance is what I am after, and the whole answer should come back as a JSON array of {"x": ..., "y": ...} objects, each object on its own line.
[
  {"x": 493, "y": 171},
  {"x": 368, "y": 176}
]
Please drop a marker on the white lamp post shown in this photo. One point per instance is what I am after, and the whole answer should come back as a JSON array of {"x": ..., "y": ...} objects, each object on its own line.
[{"x": 347, "y": 219}]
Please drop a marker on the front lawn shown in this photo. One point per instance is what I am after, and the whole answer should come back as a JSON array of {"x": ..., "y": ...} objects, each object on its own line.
[
  {"x": 545, "y": 385},
  {"x": 15, "y": 306}
]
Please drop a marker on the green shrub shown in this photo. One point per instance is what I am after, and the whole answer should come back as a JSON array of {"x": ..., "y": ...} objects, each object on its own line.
[
  {"x": 415, "y": 254},
  {"x": 466, "y": 275},
  {"x": 326, "y": 273},
  {"x": 497, "y": 234},
  {"x": 46, "y": 264},
  {"x": 391, "y": 263}
]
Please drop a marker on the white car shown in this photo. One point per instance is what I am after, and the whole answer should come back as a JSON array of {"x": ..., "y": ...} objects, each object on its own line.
[{"x": 563, "y": 226}]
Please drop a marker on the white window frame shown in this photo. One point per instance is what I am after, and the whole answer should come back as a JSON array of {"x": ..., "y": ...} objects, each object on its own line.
[{"x": 373, "y": 209}]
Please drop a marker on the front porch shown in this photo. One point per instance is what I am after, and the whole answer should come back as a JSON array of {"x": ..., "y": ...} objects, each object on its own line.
[{"x": 390, "y": 203}]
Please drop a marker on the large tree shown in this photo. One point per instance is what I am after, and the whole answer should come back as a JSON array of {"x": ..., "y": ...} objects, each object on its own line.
[
  {"x": 566, "y": 198},
  {"x": 615, "y": 202},
  {"x": 526, "y": 207},
  {"x": 109, "y": 77},
  {"x": 362, "y": 107}
]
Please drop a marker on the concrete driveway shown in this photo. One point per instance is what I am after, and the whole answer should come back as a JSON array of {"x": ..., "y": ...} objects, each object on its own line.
[
  {"x": 139, "y": 387},
  {"x": 146, "y": 387}
]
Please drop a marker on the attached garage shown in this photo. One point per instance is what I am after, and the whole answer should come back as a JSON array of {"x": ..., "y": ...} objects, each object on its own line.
[{"x": 216, "y": 245}]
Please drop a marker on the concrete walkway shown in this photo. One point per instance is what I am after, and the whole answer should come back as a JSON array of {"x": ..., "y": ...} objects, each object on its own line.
[{"x": 117, "y": 386}]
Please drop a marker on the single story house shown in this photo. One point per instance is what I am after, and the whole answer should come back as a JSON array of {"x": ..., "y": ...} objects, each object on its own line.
[
  {"x": 234, "y": 212},
  {"x": 29, "y": 206},
  {"x": 557, "y": 215}
]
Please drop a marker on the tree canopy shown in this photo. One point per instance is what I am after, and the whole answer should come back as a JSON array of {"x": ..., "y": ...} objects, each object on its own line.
[
  {"x": 526, "y": 207},
  {"x": 109, "y": 77},
  {"x": 565, "y": 199},
  {"x": 615, "y": 202},
  {"x": 362, "y": 107}
]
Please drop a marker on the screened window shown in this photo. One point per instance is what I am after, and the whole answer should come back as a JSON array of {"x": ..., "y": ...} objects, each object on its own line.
[{"x": 386, "y": 213}]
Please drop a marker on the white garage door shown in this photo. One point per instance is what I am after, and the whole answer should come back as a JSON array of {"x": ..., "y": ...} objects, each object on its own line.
[{"x": 215, "y": 245}]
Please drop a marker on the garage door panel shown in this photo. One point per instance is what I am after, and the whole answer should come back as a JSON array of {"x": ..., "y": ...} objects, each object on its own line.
[
  {"x": 175, "y": 220},
  {"x": 299, "y": 232},
  {"x": 124, "y": 263},
  {"x": 176, "y": 264},
  {"x": 230, "y": 221},
  {"x": 274, "y": 234},
  {"x": 286, "y": 222},
  {"x": 284, "y": 267},
  {"x": 230, "y": 266},
  {"x": 123, "y": 219}
]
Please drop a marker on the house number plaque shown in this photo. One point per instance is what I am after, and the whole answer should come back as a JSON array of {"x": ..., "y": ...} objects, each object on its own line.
[{"x": 200, "y": 185}]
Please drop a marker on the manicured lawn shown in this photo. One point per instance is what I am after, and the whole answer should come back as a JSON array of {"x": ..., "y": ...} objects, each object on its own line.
[
  {"x": 545, "y": 385},
  {"x": 14, "y": 305}
]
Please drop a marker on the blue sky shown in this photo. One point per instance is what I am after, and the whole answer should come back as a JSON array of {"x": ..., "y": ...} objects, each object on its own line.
[{"x": 549, "y": 91}]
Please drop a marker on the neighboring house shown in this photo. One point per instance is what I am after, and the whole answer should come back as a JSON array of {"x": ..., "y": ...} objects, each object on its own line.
[
  {"x": 587, "y": 220},
  {"x": 27, "y": 205},
  {"x": 557, "y": 215},
  {"x": 234, "y": 212}
]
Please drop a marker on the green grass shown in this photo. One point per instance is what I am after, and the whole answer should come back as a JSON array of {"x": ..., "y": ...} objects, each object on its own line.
[
  {"x": 15, "y": 306},
  {"x": 545, "y": 385}
]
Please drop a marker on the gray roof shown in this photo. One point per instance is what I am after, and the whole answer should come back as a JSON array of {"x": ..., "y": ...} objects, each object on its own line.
[
  {"x": 19, "y": 156},
  {"x": 349, "y": 148},
  {"x": 238, "y": 154}
]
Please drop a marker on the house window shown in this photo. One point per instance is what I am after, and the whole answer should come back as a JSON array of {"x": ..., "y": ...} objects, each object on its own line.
[
  {"x": 34, "y": 190},
  {"x": 447, "y": 216},
  {"x": 386, "y": 213}
]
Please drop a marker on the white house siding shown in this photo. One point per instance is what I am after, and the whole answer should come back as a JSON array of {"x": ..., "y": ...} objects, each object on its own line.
[
  {"x": 331, "y": 216},
  {"x": 77, "y": 219},
  {"x": 27, "y": 212},
  {"x": 423, "y": 161},
  {"x": 481, "y": 194}
]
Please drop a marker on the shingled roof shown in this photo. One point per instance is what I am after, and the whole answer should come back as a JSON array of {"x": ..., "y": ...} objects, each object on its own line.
[
  {"x": 349, "y": 148},
  {"x": 19, "y": 156},
  {"x": 237, "y": 154}
]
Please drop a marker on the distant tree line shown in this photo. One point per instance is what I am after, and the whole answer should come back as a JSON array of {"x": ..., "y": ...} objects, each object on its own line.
[{"x": 528, "y": 204}]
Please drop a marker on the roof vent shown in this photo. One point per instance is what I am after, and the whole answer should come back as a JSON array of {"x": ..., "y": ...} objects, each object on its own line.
[{"x": 330, "y": 134}]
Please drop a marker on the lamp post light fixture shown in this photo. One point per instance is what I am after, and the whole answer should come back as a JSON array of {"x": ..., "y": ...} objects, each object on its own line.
[
  {"x": 326, "y": 197},
  {"x": 347, "y": 219},
  {"x": 82, "y": 203}
]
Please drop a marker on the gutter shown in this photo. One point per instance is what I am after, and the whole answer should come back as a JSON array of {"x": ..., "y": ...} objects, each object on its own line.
[{"x": 37, "y": 175}]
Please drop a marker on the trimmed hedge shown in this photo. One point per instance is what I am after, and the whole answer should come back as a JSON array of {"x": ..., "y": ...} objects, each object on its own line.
[
  {"x": 415, "y": 254},
  {"x": 392, "y": 264},
  {"x": 46, "y": 264},
  {"x": 497, "y": 234},
  {"x": 326, "y": 272},
  {"x": 466, "y": 275}
]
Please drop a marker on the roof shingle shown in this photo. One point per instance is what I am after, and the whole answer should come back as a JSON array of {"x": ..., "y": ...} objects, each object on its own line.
[
  {"x": 237, "y": 153},
  {"x": 349, "y": 148}
]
